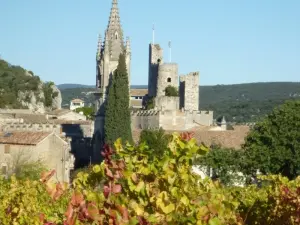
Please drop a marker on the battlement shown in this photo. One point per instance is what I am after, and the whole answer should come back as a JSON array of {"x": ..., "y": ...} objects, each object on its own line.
[
  {"x": 190, "y": 75},
  {"x": 150, "y": 112},
  {"x": 168, "y": 67}
]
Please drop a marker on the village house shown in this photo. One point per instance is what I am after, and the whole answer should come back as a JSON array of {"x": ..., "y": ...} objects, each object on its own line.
[
  {"x": 27, "y": 146},
  {"x": 76, "y": 103},
  {"x": 136, "y": 97}
]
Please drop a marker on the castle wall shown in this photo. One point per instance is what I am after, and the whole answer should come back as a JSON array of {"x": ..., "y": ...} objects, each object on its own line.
[
  {"x": 167, "y": 75},
  {"x": 70, "y": 129},
  {"x": 145, "y": 119},
  {"x": 155, "y": 58},
  {"x": 170, "y": 119},
  {"x": 167, "y": 103},
  {"x": 203, "y": 117},
  {"x": 189, "y": 91}
]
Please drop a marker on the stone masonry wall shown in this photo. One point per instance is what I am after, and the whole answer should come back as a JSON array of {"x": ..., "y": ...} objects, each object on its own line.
[
  {"x": 155, "y": 58},
  {"x": 189, "y": 91},
  {"x": 145, "y": 119},
  {"x": 167, "y": 103},
  {"x": 167, "y": 75}
]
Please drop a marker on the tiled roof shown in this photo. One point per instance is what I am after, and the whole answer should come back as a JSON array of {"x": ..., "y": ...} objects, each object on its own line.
[
  {"x": 136, "y": 103},
  {"x": 77, "y": 100},
  {"x": 81, "y": 122},
  {"x": 32, "y": 118},
  {"x": 228, "y": 139},
  {"x": 138, "y": 92},
  {"x": 60, "y": 112},
  {"x": 23, "y": 137}
]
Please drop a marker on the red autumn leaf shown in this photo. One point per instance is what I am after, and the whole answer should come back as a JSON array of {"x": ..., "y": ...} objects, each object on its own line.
[
  {"x": 93, "y": 211},
  {"x": 45, "y": 176},
  {"x": 109, "y": 173},
  {"x": 124, "y": 212},
  {"x": 106, "y": 190},
  {"x": 117, "y": 188},
  {"x": 42, "y": 217},
  {"x": 77, "y": 198},
  {"x": 121, "y": 164}
]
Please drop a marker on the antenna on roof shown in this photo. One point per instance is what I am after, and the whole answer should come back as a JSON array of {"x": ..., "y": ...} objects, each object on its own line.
[
  {"x": 153, "y": 33},
  {"x": 170, "y": 51}
]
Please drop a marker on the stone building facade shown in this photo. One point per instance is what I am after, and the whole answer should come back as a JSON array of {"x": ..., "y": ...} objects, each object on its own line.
[
  {"x": 28, "y": 147},
  {"x": 171, "y": 112}
]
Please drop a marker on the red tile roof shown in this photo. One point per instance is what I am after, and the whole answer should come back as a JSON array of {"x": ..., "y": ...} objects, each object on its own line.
[
  {"x": 138, "y": 92},
  {"x": 23, "y": 137},
  {"x": 228, "y": 139}
]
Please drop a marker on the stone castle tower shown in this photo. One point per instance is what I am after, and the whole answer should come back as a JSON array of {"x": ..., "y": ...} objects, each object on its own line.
[{"x": 108, "y": 55}]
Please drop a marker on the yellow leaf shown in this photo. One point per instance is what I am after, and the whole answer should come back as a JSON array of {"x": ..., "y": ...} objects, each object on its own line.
[{"x": 184, "y": 200}]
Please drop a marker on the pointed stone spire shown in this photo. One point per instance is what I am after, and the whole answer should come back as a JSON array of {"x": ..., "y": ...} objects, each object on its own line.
[
  {"x": 114, "y": 33},
  {"x": 114, "y": 18},
  {"x": 99, "y": 47}
]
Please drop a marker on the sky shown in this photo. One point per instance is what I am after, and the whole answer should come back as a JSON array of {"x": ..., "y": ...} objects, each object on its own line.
[{"x": 227, "y": 41}]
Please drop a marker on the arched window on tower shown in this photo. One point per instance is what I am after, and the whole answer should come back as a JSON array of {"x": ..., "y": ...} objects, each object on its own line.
[
  {"x": 169, "y": 80},
  {"x": 116, "y": 36}
]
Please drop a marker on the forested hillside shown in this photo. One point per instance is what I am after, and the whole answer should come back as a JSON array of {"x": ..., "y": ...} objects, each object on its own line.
[
  {"x": 20, "y": 88},
  {"x": 238, "y": 102},
  {"x": 247, "y": 102}
]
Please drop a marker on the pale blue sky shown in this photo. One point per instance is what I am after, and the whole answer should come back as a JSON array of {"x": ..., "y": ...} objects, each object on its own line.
[{"x": 228, "y": 41}]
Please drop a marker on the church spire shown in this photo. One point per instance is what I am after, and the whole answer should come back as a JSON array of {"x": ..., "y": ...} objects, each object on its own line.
[
  {"x": 114, "y": 33},
  {"x": 114, "y": 18}
]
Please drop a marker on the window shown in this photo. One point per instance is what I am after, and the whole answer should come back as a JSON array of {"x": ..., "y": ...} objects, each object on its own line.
[
  {"x": 6, "y": 149},
  {"x": 169, "y": 80},
  {"x": 116, "y": 36},
  {"x": 4, "y": 169},
  {"x": 136, "y": 97}
]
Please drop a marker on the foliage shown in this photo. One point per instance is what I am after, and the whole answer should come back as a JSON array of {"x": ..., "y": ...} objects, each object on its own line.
[
  {"x": 13, "y": 80},
  {"x": 16, "y": 82},
  {"x": 135, "y": 186},
  {"x": 31, "y": 202},
  {"x": 140, "y": 187},
  {"x": 149, "y": 103},
  {"x": 29, "y": 170},
  {"x": 273, "y": 145},
  {"x": 156, "y": 140},
  {"x": 117, "y": 114},
  {"x": 49, "y": 94},
  {"x": 87, "y": 111},
  {"x": 225, "y": 163},
  {"x": 246, "y": 102},
  {"x": 171, "y": 91},
  {"x": 276, "y": 202}
]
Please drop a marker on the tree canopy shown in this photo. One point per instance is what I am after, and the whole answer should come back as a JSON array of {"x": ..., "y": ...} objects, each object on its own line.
[
  {"x": 273, "y": 145},
  {"x": 117, "y": 113}
]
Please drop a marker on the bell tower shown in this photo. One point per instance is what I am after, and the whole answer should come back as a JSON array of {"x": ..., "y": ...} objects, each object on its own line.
[{"x": 107, "y": 57}]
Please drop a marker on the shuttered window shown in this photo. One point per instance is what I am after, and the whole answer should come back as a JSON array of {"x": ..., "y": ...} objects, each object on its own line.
[{"x": 7, "y": 149}]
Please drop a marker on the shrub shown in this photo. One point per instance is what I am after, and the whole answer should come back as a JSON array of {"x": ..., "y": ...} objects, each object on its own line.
[{"x": 171, "y": 91}]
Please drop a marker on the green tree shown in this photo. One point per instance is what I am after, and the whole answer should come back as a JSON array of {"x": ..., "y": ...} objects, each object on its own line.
[
  {"x": 117, "y": 113},
  {"x": 273, "y": 145},
  {"x": 224, "y": 162},
  {"x": 87, "y": 111},
  {"x": 157, "y": 140}
]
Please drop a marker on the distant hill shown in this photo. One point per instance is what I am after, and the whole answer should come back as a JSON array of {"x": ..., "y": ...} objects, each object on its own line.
[
  {"x": 68, "y": 86},
  {"x": 237, "y": 102}
]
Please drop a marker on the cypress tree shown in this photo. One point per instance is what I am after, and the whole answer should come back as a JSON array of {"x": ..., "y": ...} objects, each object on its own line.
[{"x": 117, "y": 113}]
